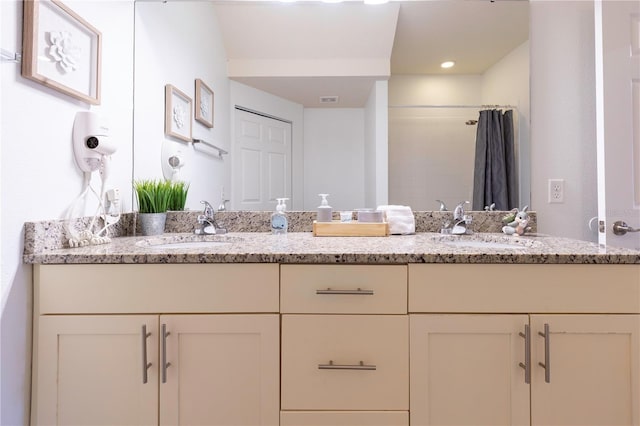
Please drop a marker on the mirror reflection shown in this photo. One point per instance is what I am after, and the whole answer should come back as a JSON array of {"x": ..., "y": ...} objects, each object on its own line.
[{"x": 360, "y": 107}]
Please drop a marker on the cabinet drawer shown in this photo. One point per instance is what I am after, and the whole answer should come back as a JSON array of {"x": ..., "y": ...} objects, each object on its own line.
[
  {"x": 524, "y": 288},
  {"x": 344, "y": 418},
  {"x": 345, "y": 362},
  {"x": 361, "y": 289},
  {"x": 151, "y": 288}
]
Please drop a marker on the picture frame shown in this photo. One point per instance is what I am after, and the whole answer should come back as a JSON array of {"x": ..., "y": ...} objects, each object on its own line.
[
  {"x": 61, "y": 50},
  {"x": 177, "y": 107},
  {"x": 204, "y": 103}
]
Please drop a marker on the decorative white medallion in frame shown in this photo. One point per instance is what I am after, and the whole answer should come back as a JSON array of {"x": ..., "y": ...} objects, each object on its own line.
[
  {"x": 61, "y": 50},
  {"x": 177, "y": 110},
  {"x": 204, "y": 103}
]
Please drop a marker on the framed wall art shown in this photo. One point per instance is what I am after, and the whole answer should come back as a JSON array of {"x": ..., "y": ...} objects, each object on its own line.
[
  {"x": 177, "y": 109},
  {"x": 204, "y": 103},
  {"x": 61, "y": 50}
]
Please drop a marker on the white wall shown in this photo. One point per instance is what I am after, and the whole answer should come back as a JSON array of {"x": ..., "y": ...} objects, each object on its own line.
[
  {"x": 376, "y": 149},
  {"x": 563, "y": 115},
  {"x": 423, "y": 168},
  {"x": 431, "y": 156},
  {"x": 177, "y": 42},
  {"x": 266, "y": 103},
  {"x": 39, "y": 178},
  {"x": 334, "y": 157},
  {"x": 505, "y": 83},
  {"x": 435, "y": 90}
]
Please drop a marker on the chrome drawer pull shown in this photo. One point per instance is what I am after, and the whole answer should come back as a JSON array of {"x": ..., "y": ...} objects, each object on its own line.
[
  {"x": 547, "y": 355},
  {"x": 332, "y": 366},
  {"x": 145, "y": 364},
  {"x": 165, "y": 364},
  {"x": 527, "y": 354},
  {"x": 359, "y": 291}
]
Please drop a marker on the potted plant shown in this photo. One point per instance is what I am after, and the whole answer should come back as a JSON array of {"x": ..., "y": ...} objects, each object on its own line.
[{"x": 154, "y": 199}]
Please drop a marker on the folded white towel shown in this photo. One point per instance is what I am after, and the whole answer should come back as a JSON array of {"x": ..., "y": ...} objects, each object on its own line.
[{"x": 400, "y": 219}]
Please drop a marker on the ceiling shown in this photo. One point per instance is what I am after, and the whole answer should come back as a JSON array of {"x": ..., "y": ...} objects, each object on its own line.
[{"x": 304, "y": 50}]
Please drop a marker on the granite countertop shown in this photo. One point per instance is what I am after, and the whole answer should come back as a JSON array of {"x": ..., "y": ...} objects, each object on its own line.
[{"x": 303, "y": 247}]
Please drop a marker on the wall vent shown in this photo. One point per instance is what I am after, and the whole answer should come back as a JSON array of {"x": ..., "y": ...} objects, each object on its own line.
[{"x": 329, "y": 99}]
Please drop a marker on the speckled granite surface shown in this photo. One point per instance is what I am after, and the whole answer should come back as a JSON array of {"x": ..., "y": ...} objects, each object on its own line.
[
  {"x": 50, "y": 235},
  {"x": 303, "y": 247}
]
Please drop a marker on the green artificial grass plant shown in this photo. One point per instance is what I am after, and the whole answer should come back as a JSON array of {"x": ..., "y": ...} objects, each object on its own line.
[{"x": 158, "y": 196}]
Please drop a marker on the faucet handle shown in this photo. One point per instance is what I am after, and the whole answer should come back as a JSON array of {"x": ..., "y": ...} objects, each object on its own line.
[
  {"x": 443, "y": 206},
  {"x": 208, "y": 209},
  {"x": 458, "y": 213}
]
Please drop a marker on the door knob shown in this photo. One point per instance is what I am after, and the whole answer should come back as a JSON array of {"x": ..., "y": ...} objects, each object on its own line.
[{"x": 621, "y": 228}]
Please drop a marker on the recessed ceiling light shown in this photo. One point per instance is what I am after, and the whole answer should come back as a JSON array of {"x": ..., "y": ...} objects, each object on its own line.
[{"x": 447, "y": 64}]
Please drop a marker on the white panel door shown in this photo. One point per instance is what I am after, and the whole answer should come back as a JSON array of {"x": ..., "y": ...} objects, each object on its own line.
[
  {"x": 620, "y": 139},
  {"x": 261, "y": 162},
  {"x": 594, "y": 370},
  {"x": 465, "y": 370},
  {"x": 90, "y": 370},
  {"x": 224, "y": 370}
]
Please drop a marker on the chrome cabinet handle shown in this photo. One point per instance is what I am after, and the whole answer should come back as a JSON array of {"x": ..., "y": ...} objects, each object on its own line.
[
  {"x": 332, "y": 366},
  {"x": 165, "y": 364},
  {"x": 527, "y": 353},
  {"x": 621, "y": 228},
  {"x": 358, "y": 291},
  {"x": 547, "y": 357},
  {"x": 145, "y": 364}
]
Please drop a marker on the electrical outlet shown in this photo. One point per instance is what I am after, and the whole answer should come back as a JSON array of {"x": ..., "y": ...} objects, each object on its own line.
[{"x": 556, "y": 191}]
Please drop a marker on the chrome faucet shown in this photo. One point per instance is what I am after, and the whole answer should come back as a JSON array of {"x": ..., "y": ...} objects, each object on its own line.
[
  {"x": 207, "y": 221},
  {"x": 461, "y": 220}
]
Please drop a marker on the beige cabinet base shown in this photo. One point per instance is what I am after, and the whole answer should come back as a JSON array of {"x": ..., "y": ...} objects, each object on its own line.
[
  {"x": 312, "y": 341},
  {"x": 594, "y": 376},
  {"x": 90, "y": 372},
  {"x": 465, "y": 370},
  {"x": 224, "y": 370},
  {"x": 344, "y": 418}
]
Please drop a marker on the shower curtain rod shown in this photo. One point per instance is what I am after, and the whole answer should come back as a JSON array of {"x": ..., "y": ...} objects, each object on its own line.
[{"x": 454, "y": 106}]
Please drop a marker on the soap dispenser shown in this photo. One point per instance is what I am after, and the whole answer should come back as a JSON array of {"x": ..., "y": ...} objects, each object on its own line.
[
  {"x": 279, "y": 221},
  {"x": 325, "y": 213}
]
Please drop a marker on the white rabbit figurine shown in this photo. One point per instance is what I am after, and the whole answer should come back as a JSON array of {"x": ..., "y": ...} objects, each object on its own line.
[{"x": 520, "y": 223}]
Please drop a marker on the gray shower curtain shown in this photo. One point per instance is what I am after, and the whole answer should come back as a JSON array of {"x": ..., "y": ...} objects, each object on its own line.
[{"x": 494, "y": 176}]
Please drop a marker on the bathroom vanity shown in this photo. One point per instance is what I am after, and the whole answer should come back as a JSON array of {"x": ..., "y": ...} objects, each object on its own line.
[{"x": 299, "y": 330}]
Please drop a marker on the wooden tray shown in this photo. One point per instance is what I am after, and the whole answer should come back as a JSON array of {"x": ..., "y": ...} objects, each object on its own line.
[{"x": 350, "y": 229}]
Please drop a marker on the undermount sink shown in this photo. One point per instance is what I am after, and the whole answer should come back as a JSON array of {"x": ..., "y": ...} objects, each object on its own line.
[
  {"x": 484, "y": 244},
  {"x": 189, "y": 244},
  {"x": 195, "y": 242},
  {"x": 486, "y": 241}
]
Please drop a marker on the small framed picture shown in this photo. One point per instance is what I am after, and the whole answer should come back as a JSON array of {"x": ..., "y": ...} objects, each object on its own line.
[
  {"x": 61, "y": 50},
  {"x": 204, "y": 103},
  {"x": 177, "y": 109}
]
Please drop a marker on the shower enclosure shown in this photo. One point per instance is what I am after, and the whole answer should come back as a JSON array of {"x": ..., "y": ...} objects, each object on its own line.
[{"x": 432, "y": 152}]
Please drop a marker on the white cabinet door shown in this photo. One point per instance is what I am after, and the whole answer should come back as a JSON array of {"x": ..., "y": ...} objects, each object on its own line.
[
  {"x": 222, "y": 370},
  {"x": 90, "y": 371},
  {"x": 594, "y": 370},
  {"x": 465, "y": 370}
]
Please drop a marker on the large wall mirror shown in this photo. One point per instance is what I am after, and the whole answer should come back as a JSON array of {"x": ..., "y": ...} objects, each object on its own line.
[{"x": 284, "y": 60}]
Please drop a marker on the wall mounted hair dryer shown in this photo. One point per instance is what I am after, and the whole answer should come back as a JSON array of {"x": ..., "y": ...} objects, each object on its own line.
[{"x": 91, "y": 144}]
